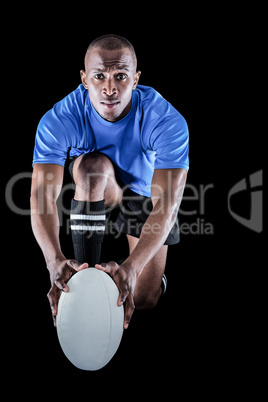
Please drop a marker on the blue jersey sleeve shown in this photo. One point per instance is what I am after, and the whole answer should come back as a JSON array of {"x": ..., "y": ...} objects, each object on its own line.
[
  {"x": 170, "y": 141},
  {"x": 53, "y": 138}
]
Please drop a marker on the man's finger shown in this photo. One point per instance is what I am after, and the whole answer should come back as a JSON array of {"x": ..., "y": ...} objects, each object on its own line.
[
  {"x": 122, "y": 297},
  {"x": 129, "y": 310},
  {"x": 53, "y": 297},
  {"x": 62, "y": 285},
  {"x": 108, "y": 268},
  {"x": 103, "y": 267},
  {"x": 76, "y": 266},
  {"x": 54, "y": 314}
]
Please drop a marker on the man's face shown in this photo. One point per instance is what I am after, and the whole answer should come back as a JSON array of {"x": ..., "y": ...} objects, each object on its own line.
[{"x": 110, "y": 77}]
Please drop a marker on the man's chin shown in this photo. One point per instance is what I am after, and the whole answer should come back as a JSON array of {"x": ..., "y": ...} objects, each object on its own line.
[
  {"x": 112, "y": 117},
  {"x": 115, "y": 114}
]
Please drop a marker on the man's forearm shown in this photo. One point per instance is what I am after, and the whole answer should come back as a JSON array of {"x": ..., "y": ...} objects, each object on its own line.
[
  {"x": 167, "y": 192},
  {"x": 45, "y": 225},
  {"x": 46, "y": 186},
  {"x": 153, "y": 235}
]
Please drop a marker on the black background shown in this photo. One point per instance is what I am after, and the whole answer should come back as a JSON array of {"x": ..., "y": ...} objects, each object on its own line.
[{"x": 202, "y": 338}]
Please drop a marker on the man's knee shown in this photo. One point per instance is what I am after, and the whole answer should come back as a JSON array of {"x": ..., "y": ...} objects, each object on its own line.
[
  {"x": 90, "y": 176},
  {"x": 94, "y": 178},
  {"x": 94, "y": 166},
  {"x": 146, "y": 301}
]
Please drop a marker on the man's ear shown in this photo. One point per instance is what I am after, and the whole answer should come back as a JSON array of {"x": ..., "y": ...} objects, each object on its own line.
[
  {"x": 136, "y": 79},
  {"x": 83, "y": 78}
]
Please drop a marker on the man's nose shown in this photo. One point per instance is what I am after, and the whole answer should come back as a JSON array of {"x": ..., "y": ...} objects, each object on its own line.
[{"x": 109, "y": 87}]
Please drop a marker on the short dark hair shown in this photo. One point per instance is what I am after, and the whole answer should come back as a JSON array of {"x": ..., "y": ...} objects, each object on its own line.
[{"x": 111, "y": 42}]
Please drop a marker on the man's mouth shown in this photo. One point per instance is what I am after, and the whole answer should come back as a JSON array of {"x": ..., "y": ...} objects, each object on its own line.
[{"x": 110, "y": 104}]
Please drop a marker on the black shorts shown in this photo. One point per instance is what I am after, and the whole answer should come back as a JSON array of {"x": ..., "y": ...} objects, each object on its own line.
[{"x": 131, "y": 214}]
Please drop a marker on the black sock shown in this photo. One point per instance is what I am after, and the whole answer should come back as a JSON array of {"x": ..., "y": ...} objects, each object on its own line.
[{"x": 88, "y": 227}]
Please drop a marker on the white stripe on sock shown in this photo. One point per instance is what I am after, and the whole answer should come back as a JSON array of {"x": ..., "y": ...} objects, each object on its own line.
[
  {"x": 85, "y": 227},
  {"x": 89, "y": 217}
]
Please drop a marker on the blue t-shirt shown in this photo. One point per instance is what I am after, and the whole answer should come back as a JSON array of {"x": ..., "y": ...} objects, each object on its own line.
[{"x": 153, "y": 135}]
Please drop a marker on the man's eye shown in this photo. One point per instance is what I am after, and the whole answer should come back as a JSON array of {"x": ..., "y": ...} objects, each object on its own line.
[
  {"x": 121, "y": 76},
  {"x": 99, "y": 76}
]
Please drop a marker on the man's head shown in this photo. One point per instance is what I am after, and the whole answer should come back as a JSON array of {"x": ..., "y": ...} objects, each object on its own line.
[{"x": 110, "y": 75}]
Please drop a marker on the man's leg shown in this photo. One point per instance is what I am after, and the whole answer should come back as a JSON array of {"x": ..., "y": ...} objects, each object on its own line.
[
  {"x": 148, "y": 287},
  {"x": 96, "y": 189},
  {"x": 95, "y": 180}
]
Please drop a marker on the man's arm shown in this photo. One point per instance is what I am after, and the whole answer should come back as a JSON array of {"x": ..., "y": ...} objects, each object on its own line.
[
  {"x": 166, "y": 193},
  {"x": 46, "y": 186},
  {"x": 47, "y": 182}
]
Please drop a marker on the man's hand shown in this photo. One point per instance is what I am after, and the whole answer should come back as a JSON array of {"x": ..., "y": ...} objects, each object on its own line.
[
  {"x": 60, "y": 273},
  {"x": 125, "y": 279}
]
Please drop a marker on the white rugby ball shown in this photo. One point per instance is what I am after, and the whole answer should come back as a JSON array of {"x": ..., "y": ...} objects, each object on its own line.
[{"x": 89, "y": 321}]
